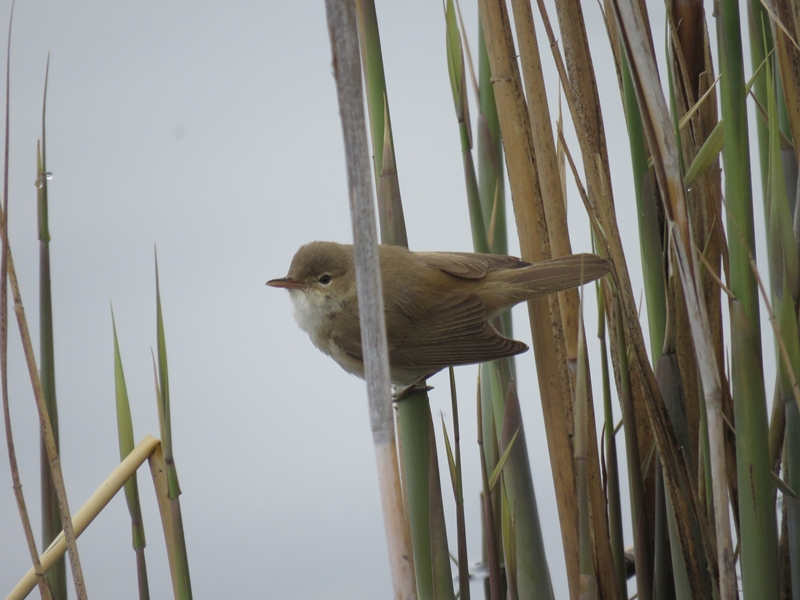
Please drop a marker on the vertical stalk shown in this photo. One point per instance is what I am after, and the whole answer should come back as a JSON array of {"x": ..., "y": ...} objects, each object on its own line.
[
  {"x": 51, "y": 521},
  {"x": 344, "y": 48},
  {"x": 759, "y": 543}
]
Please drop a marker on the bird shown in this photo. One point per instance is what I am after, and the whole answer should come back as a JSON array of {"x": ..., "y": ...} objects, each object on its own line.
[{"x": 438, "y": 306}]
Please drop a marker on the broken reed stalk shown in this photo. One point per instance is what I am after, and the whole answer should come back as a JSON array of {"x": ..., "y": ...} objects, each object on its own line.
[
  {"x": 92, "y": 507},
  {"x": 346, "y": 66}
]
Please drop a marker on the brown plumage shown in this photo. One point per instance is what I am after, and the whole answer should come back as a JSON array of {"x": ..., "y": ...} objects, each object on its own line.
[{"x": 438, "y": 305}]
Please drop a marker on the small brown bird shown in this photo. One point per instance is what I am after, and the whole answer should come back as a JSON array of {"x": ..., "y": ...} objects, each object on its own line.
[{"x": 438, "y": 305}]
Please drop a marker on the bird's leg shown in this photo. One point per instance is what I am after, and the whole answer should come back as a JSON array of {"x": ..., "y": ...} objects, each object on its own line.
[{"x": 400, "y": 392}]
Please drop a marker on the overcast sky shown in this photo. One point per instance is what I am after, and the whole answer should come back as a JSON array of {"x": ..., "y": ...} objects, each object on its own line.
[{"x": 211, "y": 130}]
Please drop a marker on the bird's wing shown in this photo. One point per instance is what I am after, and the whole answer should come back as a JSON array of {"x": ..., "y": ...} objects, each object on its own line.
[
  {"x": 468, "y": 265},
  {"x": 454, "y": 332}
]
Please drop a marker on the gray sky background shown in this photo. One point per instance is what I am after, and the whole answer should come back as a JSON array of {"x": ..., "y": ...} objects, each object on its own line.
[{"x": 212, "y": 131}]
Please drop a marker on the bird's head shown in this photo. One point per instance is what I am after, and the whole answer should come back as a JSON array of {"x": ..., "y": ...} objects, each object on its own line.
[{"x": 320, "y": 277}]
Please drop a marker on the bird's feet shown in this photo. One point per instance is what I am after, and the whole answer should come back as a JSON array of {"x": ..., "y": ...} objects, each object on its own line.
[{"x": 404, "y": 391}]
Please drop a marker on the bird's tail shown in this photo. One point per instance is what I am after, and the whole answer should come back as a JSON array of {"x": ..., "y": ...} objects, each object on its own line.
[{"x": 557, "y": 274}]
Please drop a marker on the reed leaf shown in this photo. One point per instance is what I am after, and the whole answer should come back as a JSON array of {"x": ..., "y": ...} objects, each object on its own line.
[
  {"x": 458, "y": 491},
  {"x": 125, "y": 435},
  {"x": 390, "y": 207},
  {"x": 181, "y": 560},
  {"x": 525, "y": 548},
  {"x": 491, "y": 547},
  {"x": 588, "y": 578},
  {"x": 611, "y": 470},
  {"x": 51, "y": 521}
]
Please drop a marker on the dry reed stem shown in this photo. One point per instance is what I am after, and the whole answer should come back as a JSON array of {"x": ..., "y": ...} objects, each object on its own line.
[
  {"x": 158, "y": 471},
  {"x": 44, "y": 589},
  {"x": 554, "y": 206},
  {"x": 545, "y": 318},
  {"x": 344, "y": 47},
  {"x": 44, "y": 421},
  {"x": 91, "y": 508},
  {"x": 660, "y": 138},
  {"x": 592, "y": 140}
]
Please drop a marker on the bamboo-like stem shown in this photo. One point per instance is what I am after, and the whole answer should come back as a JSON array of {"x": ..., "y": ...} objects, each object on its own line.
[
  {"x": 344, "y": 46},
  {"x": 12, "y": 454},
  {"x": 759, "y": 543},
  {"x": 661, "y": 142},
  {"x": 91, "y": 508},
  {"x": 158, "y": 471},
  {"x": 554, "y": 206},
  {"x": 161, "y": 380},
  {"x": 545, "y": 318}
]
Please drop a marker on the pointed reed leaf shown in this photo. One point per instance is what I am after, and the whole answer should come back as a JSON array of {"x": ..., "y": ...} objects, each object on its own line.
[
  {"x": 498, "y": 470},
  {"x": 125, "y": 435},
  {"x": 510, "y": 547},
  {"x": 440, "y": 556},
  {"x": 451, "y": 461},
  {"x": 461, "y": 528},
  {"x": 715, "y": 141},
  {"x": 707, "y": 156},
  {"x": 761, "y": 44},
  {"x": 490, "y": 530},
  {"x": 491, "y": 166},
  {"x": 650, "y": 232},
  {"x": 390, "y": 207},
  {"x": 184, "y": 583},
  {"x": 455, "y": 60},
  {"x": 455, "y": 67},
  {"x": 527, "y": 549},
  {"x": 163, "y": 395},
  {"x": 51, "y": 521},
  {"x": 374, "y": 78},
  {"x": 781, "y": 243},
  {"x": 588, "y": 579},
  {"x": 611, "y": 470}
]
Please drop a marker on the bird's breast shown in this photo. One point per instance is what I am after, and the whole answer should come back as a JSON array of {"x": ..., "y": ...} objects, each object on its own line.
[{"x": 318, "y": 323}]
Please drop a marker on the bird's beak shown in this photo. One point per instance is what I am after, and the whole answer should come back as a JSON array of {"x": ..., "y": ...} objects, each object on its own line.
[{"x": 286, "y": 283}]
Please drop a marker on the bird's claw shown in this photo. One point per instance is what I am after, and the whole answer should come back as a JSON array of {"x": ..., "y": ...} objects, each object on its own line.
[{"x": 402, "y": 392}]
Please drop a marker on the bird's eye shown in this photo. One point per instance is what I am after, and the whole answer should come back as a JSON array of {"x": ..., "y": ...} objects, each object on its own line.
[{"x": 325, "y": 279}]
